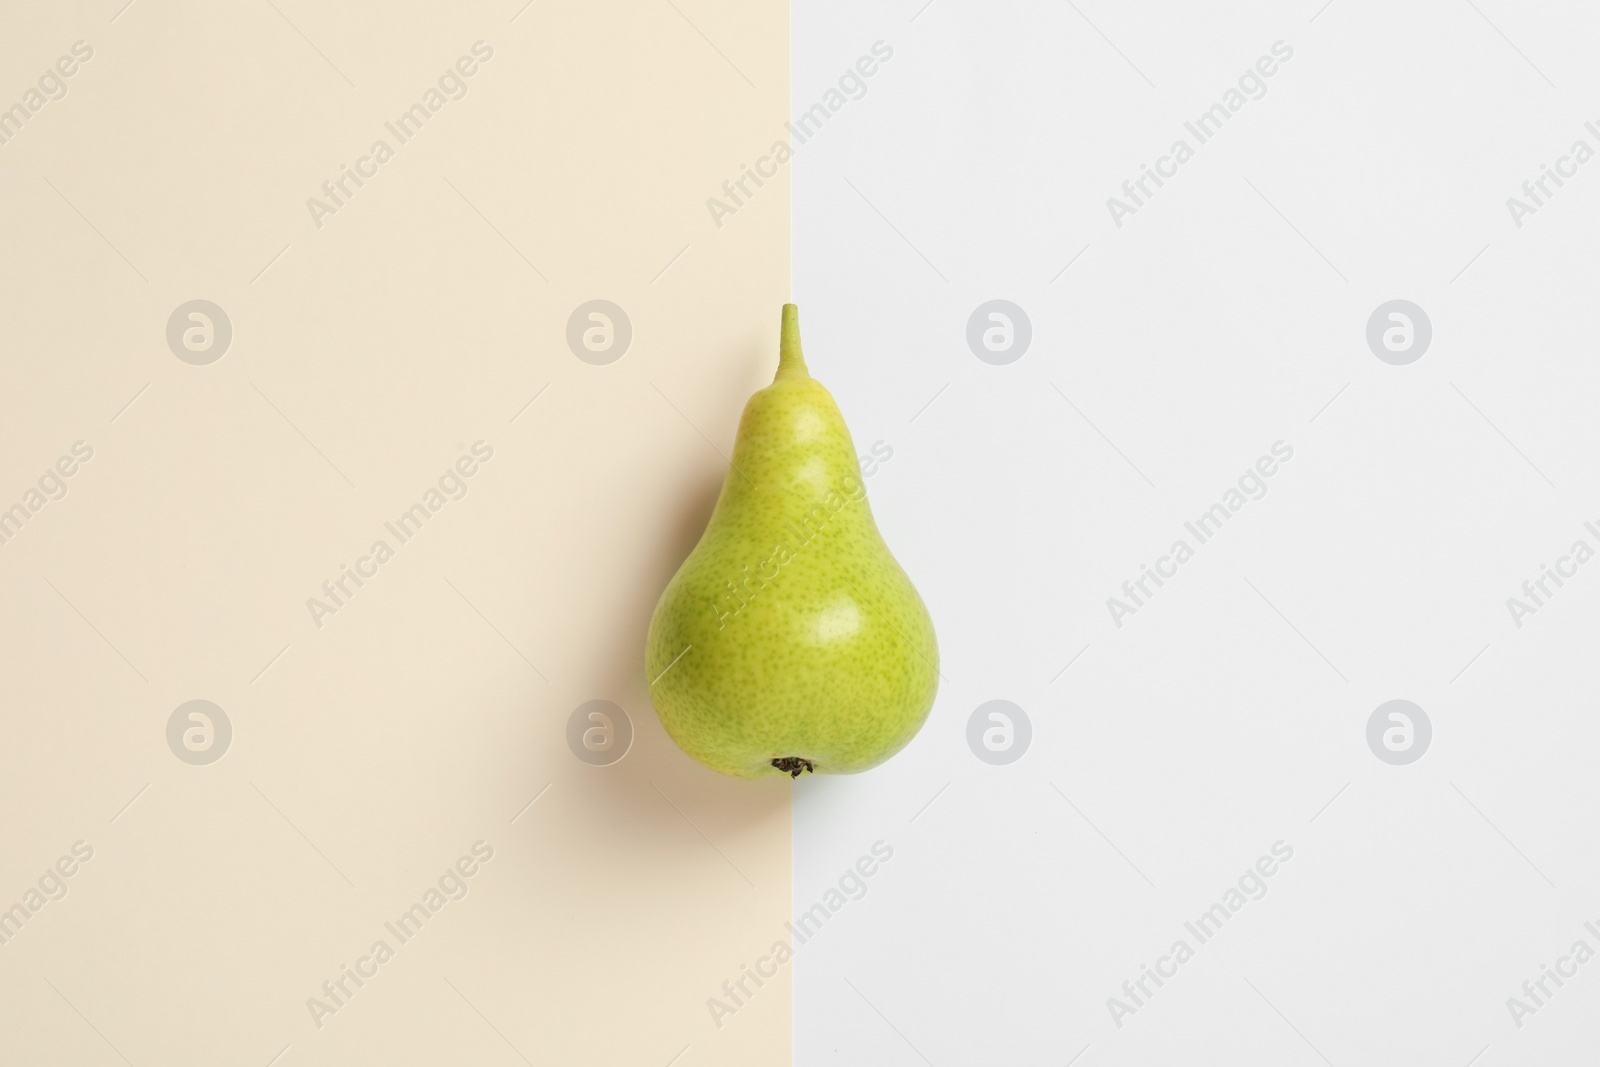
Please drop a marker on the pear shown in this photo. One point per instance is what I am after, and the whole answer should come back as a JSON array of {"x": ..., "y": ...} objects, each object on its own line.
[{"x": 790, "y": 640}]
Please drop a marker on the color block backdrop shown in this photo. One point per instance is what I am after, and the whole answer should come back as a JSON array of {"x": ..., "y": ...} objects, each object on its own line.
[
  {"x": 301, "y": 302},
  {"x": 1222, "y": 378},
  {"x": 1335, "y": 334}
]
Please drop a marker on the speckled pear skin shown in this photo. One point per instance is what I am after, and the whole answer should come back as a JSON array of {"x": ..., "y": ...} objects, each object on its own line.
[{"x": 806, "y": 643}]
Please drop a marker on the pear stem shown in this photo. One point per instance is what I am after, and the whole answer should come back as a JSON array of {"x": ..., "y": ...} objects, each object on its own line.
[{"x": 791, "y": 362}]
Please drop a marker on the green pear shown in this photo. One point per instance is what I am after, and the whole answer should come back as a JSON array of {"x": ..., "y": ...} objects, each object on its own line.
[{"x": 790, "y": 640}]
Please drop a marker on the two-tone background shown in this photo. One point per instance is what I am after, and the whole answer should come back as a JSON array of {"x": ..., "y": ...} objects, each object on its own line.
[{"x": 1226, "y": 377}]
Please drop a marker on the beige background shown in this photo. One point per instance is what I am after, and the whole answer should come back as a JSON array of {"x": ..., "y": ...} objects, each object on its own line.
[{"x": 367, "y": 355}]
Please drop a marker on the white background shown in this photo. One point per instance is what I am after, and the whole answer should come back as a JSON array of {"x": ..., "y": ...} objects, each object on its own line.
[{"x": 1229, "y": 712}]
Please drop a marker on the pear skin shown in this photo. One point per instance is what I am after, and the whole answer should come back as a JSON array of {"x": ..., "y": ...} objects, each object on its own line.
[{"x": 790, "y": 640}]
